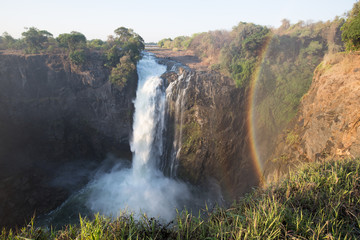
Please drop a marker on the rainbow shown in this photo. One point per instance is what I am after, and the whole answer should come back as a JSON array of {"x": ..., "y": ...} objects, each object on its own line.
[{"x": 258, "y": 163}]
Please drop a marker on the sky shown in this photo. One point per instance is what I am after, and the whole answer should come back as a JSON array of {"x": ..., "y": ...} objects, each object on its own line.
[{"x": 158, "y": 19}]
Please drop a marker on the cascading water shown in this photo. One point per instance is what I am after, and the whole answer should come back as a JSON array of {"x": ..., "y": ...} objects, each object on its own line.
[
  {"x": 143, "y": 188},
  {"x": 181, "y": 87},
  {"x": 149, "y": 117}
]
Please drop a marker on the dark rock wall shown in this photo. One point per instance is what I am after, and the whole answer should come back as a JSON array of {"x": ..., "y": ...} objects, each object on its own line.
[
  {"x": 52, "y": 113},
  {"x": 208, "y": 122}
]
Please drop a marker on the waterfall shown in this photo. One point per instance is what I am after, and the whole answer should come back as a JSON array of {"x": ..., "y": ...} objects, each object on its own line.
[
  {"x": 149, "y": 117},
  {"x": 143, "y": 188},
  {"x": 176, "y": 92}
]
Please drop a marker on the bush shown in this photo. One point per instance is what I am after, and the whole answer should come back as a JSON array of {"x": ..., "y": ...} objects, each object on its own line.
[
  {"x": 122, "y": 72},
  {"x": 77, "y": 57}
]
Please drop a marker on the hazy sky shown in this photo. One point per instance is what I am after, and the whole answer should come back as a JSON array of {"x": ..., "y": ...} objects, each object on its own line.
[{"x": 158, "y": 19}]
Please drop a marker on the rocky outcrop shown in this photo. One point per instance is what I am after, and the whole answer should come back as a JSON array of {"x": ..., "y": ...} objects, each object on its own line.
[
  {"x": 52, "y": 113},
  {"x": 328, "y": 122},
  {"x": 208, "y": 124}
]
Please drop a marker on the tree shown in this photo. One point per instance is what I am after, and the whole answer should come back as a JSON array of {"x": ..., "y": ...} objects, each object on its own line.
[
  {"x": 72, "y": 40},
  {"x": 124, "y": 34},
  {"x": 7, "y": 41},
  {"x": 351, "y": 29},
  {"x": 35, "y": 39},
  {"x": 77, "y": 57},
  {"x": 240, "y": 57},
  {"x": 162, "y": 42},
  {"x": 126, "y": 42},
  {"x": 113, "y": 56},
  {"x": 96, "y": 44},
  {"x": 123, "y": 71}
]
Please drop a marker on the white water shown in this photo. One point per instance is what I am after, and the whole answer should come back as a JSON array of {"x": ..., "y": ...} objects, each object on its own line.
[
  {"x": 142, "y": 188},
  {"x": 181, "y": 87}
]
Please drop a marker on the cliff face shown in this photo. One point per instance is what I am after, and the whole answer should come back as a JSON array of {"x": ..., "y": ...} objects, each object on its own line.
[
  {"x": 51, "y": 113},
  {"x": 327, "y": 126},
  {"x": 207, "y": 121}
]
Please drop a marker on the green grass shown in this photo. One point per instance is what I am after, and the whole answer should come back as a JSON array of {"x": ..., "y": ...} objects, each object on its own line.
[{"x": 318, "y": 201}]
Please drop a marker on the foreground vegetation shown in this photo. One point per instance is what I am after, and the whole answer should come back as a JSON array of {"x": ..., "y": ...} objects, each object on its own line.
[{"x": 319, "y": 201}]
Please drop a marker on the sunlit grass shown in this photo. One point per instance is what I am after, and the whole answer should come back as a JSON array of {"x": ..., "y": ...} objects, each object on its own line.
[{"x": 319, "y": 201}]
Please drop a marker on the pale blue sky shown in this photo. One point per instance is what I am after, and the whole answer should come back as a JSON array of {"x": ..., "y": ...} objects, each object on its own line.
[{"x": 158, "y": 19}]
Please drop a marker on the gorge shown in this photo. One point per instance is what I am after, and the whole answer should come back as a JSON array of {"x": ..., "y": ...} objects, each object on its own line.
[{"x": 197, "y": 136}]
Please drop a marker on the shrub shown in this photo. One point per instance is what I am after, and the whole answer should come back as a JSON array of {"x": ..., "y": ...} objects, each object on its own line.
[
  {"x": 122, "y": 72},
  {"x": 351, "y": 29},
  {"x": 77, "y": 57}
]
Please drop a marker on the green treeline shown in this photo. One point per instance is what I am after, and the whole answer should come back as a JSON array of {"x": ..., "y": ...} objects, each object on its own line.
[
  {"x": 120, "y": 52},
  {"x": 319, "y": 201}
]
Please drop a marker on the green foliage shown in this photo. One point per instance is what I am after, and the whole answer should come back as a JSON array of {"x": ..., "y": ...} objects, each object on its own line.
[
  {"x": 319, "y": 201},
  {"x": 78, "y": 57},
  {"x": 71, "y": 41},
  {"x": 113, "y": 56},
  {"x": 124, "y": 34},
  {"x": 165, "y": 43},
  {"x": 241, "y": 56},
  {"x": 96, "y": 44},
  {"x": 7, "y": 41},
  {"x": 286, "y": 73},
  {"x": 314, "y": 48},
  {"x": 35, "y": 39},
  {"x": 241, "y": 71},
  {"x": 179, "y": 43},
  {"x": 123, "y": 71},
  {"x": 126, "y": 42},
  {"x": 130, "y": 42},
  {"x": 351, "y": 29},
  {"x": 191, "y": 136}
]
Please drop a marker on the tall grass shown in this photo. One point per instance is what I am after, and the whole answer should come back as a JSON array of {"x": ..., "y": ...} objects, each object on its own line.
[{"x": 319, "y": 201}]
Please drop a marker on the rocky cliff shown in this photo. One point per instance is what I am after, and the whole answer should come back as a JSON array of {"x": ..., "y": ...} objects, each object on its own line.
[
  {"x": 52, "y": 113},
  {"x": 208, "y": 124},
  {"x": 327, "y": 125}
]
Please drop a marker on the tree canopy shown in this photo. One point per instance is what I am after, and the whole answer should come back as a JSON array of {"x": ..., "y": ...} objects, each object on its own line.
[
  {"x": 351, "y": 29},
  {"x": 125, "y": 42},
  {"x": 35, "y": 39},
  {"x": 71, "y": 40}
]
